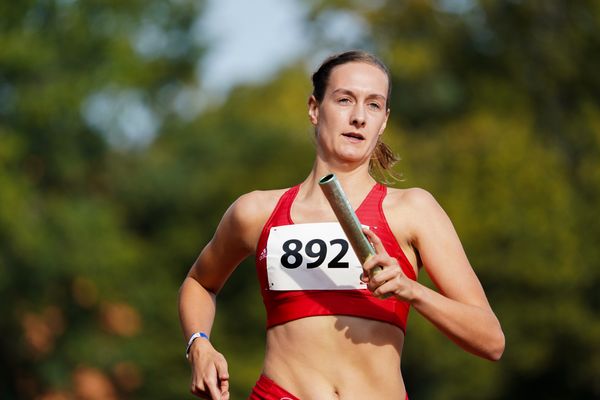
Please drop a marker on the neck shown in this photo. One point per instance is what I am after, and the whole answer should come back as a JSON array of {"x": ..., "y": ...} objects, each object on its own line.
[{"x": 355, "y": 181}]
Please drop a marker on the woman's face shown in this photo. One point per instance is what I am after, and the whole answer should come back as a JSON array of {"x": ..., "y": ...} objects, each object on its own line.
[{"x": 352, "y": 114}]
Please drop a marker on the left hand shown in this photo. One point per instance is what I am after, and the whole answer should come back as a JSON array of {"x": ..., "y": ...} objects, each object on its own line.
[{"x": 389, "y": 281}]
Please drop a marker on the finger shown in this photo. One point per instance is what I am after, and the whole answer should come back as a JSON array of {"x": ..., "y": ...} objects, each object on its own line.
[
  {"x": 373, "y": 286},
  {"x": 374, "y": 239},
  {"x": 373, "y": 261},
  {"x": 368, "y": 267},
  {"x": 375, "y": 264},
  {"x": 390, "y": 273},
  {"x": 222, "y": 371},
  {"x": 385, "y": 290},
  {"x": 225, "y": 389},
  {"x": 364, "y": 276},
  {"x": 211, "y": 385},
  {"x": 388, "y": 276},
  {"x": 196, "y": 391},
  {"x": 382, "y": 276},
  {"x": 197, "y": 388},
  {"x": 215, "y": 393}
]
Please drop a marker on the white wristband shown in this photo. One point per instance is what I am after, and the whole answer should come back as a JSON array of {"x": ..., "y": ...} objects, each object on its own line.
[{"x": 192, "y": 338}]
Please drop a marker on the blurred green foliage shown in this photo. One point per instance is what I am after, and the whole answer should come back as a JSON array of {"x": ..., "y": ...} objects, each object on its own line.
[{"x": 108, "y": 192}]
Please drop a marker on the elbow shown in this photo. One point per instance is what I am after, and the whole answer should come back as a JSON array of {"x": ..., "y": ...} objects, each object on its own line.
[{"x": 495, "y": 347}]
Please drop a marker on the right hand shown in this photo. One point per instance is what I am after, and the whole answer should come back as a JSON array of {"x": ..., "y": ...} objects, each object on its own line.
[{"x": 210, "y": 378}]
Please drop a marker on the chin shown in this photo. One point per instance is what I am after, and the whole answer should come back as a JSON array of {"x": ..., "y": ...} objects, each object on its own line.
[{"x": 353, "y": 158}]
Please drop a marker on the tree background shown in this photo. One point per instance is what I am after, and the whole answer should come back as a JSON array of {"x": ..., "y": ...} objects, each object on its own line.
[{"x": 110, "y": 186}]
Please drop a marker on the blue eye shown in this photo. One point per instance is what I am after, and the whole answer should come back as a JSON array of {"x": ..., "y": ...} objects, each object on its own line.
[{"x": 375, "y": 106}]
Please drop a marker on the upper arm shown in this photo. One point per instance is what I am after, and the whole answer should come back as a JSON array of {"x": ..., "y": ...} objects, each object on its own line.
[
  {"x": 234, "y": 239},
  {"x": 441, "y": 251}
]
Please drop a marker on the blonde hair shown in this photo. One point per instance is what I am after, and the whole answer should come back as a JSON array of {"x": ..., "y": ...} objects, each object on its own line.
[{"x": 381, "y": 164}]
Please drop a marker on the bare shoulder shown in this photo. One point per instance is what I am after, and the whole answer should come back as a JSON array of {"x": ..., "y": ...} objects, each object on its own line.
[
  {"x": 256, "y": 205},
  {"x": 413, "y": 211},
  {"x": 415, "y": 199},
  {"x": 249, "y": 213}
]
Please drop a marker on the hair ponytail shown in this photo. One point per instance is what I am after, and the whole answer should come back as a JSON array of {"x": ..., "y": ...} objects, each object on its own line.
[{"x": 382, "y": 161}]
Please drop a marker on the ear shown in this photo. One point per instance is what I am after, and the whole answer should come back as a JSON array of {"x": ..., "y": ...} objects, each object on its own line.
[
  {"x": 313, "y": 110},
  {"x": 387, "y": 115}
]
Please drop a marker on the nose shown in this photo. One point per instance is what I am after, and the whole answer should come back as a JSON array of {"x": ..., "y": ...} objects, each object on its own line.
[{"x": 358, "y": 119}]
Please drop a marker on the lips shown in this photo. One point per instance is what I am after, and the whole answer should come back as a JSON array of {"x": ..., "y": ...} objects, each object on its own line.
[{"x": 353, "y": 135}]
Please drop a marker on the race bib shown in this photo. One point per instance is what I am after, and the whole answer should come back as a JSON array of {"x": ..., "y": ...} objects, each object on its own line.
[{"x": 312, "y": 257}]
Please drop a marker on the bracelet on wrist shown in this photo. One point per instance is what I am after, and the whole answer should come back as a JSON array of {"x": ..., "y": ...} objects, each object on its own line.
[{"x": 192, "y": 338}]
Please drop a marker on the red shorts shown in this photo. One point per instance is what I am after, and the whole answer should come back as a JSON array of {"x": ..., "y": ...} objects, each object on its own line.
[{"x": 266, "y": 389}]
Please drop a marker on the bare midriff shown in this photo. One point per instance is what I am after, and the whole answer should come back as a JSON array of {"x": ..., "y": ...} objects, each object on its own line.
[{"x": 336, "y": 357}]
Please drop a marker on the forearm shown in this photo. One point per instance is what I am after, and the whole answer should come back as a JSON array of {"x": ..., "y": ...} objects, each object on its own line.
[
  {"x": 475, "y": 329},
  {"x": 197, "y": 308},
  {"x": 210, "y": 378}
]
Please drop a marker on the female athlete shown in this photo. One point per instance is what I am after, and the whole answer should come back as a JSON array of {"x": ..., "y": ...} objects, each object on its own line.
[{"x": 334, "y": 330}]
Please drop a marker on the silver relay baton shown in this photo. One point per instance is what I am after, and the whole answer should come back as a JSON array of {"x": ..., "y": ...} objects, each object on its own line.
[{"x": 348, "y": 220}]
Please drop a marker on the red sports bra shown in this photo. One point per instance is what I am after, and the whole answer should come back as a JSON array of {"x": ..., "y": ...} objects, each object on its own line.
[{"x": 288, "y": 305}]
